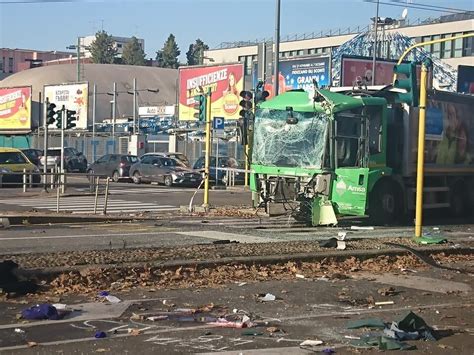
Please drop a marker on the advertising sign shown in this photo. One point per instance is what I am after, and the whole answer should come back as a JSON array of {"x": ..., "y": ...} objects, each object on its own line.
[
  {"x": 354, "y": 69},
  {"x": 73, "y": 97},
  {"x": 225, "y": 81},
  {"x": 465, "y": 79},
  {"x": 449, "y": 130},
  {"x": 150, "y": 111},
  {"x": 299, "y": 74},
  {"x": 15, "y": 109}
]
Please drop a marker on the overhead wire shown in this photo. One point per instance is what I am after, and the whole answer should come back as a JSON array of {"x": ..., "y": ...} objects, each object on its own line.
[{"x": 420, "y": 7}]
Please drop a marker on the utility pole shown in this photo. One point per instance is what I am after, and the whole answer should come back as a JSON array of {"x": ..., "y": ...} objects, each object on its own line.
[
  {"x": 114, "y": 109},
  {"x": 277, "y": 48},
  {"x": 376, "y": 26},
  {"x": 208, "y": 150},
  {"x": 63, "y": 122},
  {"x": 78, "y": 59},
  {"x": 94, "y": 109},
  {"x": 45, "y": 154},
  {"x": 135, "y": 107}
]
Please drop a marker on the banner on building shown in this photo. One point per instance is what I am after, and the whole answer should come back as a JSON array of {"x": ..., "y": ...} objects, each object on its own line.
[
  {"x": 355, "y": 69},
  {"x": 15, "y": 109},
  {"x": 225, "y": 81},
  {"x": 151, "y": 111},
  {"x": 298, "y": 73},
  {"x": 73, "y": 97}
]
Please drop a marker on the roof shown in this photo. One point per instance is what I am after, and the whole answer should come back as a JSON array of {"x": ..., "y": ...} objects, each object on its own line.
[
  {"x": 300, "y": 101},
  {"x": 8, "y": 150}
]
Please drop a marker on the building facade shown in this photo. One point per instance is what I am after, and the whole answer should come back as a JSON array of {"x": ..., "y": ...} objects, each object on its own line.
[
  {"x": 14, "y": 60},
  {"x": 459, "y": 52},
  {"x": 119, "y": 43}
]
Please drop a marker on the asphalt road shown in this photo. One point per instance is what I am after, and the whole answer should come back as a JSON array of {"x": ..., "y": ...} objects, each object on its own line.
[{"x": 305, "y": 309}]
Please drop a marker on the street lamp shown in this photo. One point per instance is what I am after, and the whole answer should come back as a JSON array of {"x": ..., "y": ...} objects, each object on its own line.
[{"x": 78, "y": 47}]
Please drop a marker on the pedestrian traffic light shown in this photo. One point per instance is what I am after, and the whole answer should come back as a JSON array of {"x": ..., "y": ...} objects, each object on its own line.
[
  {"x": 71, "y": 119},
  {"x": 409, "y": 83},
  {"x": 51, "y": 114},
  {"x": 200, "y": 103}
]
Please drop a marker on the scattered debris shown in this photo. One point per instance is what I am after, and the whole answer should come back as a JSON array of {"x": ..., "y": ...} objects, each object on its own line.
[
  {"x": 268, "y": 297},
  {"x": 251, "y": 332},
  {"x": 341, "y": 235},
  {"x": 366, "y": 323},
  {"x": 328, "y": 243},
  {"x": 351, "y": 337},
  {"x": 99, "y": 335},
  {"x": 102, "y": 350},
  {"x": 11, "y": 282},
  {"x": 41, "y": 311},
  {"x": 19, "y": 331},
  {"x": 386, "y": 291},
  {"x": 384, "y": 303},
  {"x": 240, "y": 284},
  {"x": 299, "y": 276},
  {"x": 341, "y": 245},
  {"x": 311, "y": 343},
  {"x": 32, "y": 344},
  {"x": 155, "y": 318},
  {"x": 134, "y": 331},
  {"x": 109, "y": 297}
]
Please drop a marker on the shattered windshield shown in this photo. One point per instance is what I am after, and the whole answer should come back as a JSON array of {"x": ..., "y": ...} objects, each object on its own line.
[{"x": 277, "y": 143}]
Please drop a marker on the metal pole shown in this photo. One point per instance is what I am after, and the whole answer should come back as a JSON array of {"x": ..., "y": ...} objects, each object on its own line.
[
  {"x": 376, "y": 25},
  {"x": 24, "y": 180},
  {"x": 57, "y": 198},
  {"x": 106, "y": 197},
  {"x": 114, "y": 109},
  {"x": 45, "y": 148},
  {"x": 63, "y": 120},
  {"x": 134, "y": 105},
  {"x": 40, "y": 113},
  {"x": 208, "y": 150},
  {"x": 94, "y": 110},
  {"x": 96, "y": 193},
  {"x": 217, "y": 160},
  {"x": 246, "y": 176},
  {"x": 277, "y": 48},
  {"x": 78, "y": 59},
  {"x": 421, "y": 152}
]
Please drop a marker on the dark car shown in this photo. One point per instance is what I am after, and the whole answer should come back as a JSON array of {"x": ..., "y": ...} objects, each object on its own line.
[
  {"x": 174, "y": 155},
  {"x": 33, "y": 155},
  {"x": 223, "y": 162},
  {"x": 156, "y": 168},
  {"x": 73, "y": 160},
  {"x": 116, "y": 166}
]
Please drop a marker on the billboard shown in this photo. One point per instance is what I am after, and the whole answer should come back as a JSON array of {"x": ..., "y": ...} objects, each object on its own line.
[
  {"x": 449, "y": 130},
  {"x": 355, "y": 68},
  {"x": 299, "y": 74},
  {"x": 15, "y": 109},
  {"x": 465, "y": 79},
  {"x": 73, "y": 97},
  {"x": 225, "y": 81}
]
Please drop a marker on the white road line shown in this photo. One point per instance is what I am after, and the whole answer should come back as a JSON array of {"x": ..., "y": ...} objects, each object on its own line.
[
  {"x": 217, "y": 235},
  {"x": 85, "y": 236}
]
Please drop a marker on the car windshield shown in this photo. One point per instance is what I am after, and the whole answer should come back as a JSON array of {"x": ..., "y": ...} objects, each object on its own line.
[
  {"x": 170, "y": 162},
  {"x": 130, "y": 158},
  {"x": 278, "y": 143},
  {"x": 12, "y": 158}
]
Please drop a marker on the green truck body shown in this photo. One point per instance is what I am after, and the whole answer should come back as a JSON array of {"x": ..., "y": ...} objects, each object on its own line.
[{"x": 355, "y": 151}]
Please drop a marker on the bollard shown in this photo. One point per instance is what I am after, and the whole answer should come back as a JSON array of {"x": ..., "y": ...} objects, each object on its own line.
[
  {"x": 58, "y": 195},
  {"x": 97, "y": 179},
  {"x": 24, "y": 180},
  {"x": 106, "y": 197}
]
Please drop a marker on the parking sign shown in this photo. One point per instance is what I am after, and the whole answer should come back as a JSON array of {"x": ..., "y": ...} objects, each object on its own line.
[{"x": 218, "y": 123}]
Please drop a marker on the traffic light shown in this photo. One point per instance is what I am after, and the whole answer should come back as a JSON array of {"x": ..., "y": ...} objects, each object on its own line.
[
  {"x": 70, "y": 119},
  {"x": 200, "y": 103},
  {"x": 51, "y": 114},
  {"x": 246, "y": 116},
  {"x": 409, "y": 83},
  {"x": 260, "y": 94},
  {"x": 59, "y": 118}
]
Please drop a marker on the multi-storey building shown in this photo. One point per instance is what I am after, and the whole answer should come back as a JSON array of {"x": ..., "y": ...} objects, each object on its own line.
[{"x": 119, "y": 43}]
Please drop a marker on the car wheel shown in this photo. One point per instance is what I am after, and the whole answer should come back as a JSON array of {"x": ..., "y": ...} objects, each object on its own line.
[
  {"x": 115, "y": 176},
  {"x": 168, "y": 180},
  {"x": 137, "y": 177}
]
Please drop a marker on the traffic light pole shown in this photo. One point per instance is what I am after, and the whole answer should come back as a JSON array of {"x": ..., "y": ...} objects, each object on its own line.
[
  {"x": 208, "y": 150},
  {"x": 63, "y": 124},
  {"x": 45, "y": 154}
]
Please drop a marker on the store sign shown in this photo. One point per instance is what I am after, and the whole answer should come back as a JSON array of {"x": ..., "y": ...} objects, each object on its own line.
[{"x": 150, "y": 111}]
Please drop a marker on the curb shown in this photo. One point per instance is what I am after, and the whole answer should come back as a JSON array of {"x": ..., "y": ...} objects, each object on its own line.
[
  {"x": 50, "y": 273},
  {"x": 28, "y": 218}
]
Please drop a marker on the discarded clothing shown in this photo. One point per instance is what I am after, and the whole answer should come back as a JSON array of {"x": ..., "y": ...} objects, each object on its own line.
[
  {"x": 100, "y": 335},
  {"x": 41, "y": 311},
  {"x": 329, "y": 243},
  {"x": 412, "y": 323}
]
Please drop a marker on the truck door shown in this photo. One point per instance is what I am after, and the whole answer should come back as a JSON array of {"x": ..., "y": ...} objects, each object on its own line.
[{"x": 351, "y": 157}]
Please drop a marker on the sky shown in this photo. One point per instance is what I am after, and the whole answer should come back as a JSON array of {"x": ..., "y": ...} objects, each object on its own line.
[{"x": 55, "y": 25}]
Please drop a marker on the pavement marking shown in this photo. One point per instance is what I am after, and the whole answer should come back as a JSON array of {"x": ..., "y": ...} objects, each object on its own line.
[
  {"x": 85, "y": 204},
  {"x": 217, "y": 235},
  {"x": 417, "y": 282}
]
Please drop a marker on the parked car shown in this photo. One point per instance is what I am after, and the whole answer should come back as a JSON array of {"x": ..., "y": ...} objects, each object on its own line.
[
  {"x": 116, "y": 166},
  {"x": 33, "y": 155},
  {"x": 223, "y": 162},
  {"x": 73, "y": 160},
  {"x": 14, "y": 161},
  {"x": 156, "y": 168},
  {"x": 174, "y": 155}
]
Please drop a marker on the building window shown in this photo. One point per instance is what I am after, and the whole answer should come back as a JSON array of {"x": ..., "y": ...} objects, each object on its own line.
[
  {"x": 10, "y": 65},
  {"x": 468, "y": 46},
  {"x": 299, "y": 52},
  {"x": 426, "y": 39},
  {"x": 119, "y": 45},
  {"x": 241, "y": 58},
  {"x": 248, "y": 65},
  {"x": 436, "y": 48},
  {"x": 254, "y": 58},
  {"x": 457, "y": 46},
  {"x": 319, "y": 50},
  {"x": 447, "y": 47},
  {"x": 282, "y": 54},
  {"x": 312, "y": 51},
  {"x": 291, "y": 54}
]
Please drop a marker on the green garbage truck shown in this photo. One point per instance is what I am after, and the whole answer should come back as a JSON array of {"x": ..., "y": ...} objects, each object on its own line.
[{"x": 353, "y": 153}]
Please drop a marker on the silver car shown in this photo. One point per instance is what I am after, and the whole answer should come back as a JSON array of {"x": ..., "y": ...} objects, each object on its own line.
[{"x": 168, "y": 171}]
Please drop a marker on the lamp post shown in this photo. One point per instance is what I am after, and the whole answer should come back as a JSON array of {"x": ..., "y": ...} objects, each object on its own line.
[
  {"x": 136, "y": 118},
  {"x": 78, "y": 47},
  {"x": 277, "y": 49}
]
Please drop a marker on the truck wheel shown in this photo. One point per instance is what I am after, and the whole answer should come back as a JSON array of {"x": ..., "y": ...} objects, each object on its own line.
[
  {"x": 459, "y": 200},
  {"x": 384, "y": 205}
]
